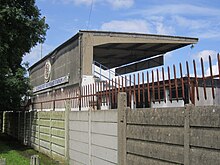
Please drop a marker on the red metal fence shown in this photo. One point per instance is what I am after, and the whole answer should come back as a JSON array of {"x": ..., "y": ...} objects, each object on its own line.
[{"x": 144, "y": 89}]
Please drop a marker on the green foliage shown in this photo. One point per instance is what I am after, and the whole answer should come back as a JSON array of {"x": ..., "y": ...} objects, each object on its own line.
[{"x": 21, "y": 28}]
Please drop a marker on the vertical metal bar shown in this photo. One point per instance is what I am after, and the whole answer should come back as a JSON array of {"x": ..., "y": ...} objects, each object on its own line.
[
  {"x": 106, "y": 92},
  {"x": 115, "y": 92},
  {"x": 143, "y": 89},
  {"x": 97, "y": 95},
  {"x": 134, "y": 90},
  {"x": 164, "y": 86},
  {"x": 125, "y": 84},
  {"x": 148, "y": 88},
  {"x": 109, "y": 92},
  {"x": 113, "y": 102},
  {"x": 158, "y": 85},
  {"x": 87, "y": 95},
  {"x": 119, "y": 85},
  {"x": 100, "y": 92},
  {"x": 54, "y": 105},
  {"x": 189, "y": 83},
  {"x": 93, "y": 95},
  {"x": 122, "y": 84},
  {"x": 73, "y": 100},
  {"x": 127, "y": 90},
  {"x": 182, "y": 82},
  {"x": 83, "y": 96},
  {"x": 211, "y": 75},
  {"x": 153, "y": 90},
  {"x": 90, "y": 95},
  {"x": 139, "y": 90},
  {"x": 197, "y": 90},
  {"x": 175, "y": 82},
  {"x": 218, "y": 57},
  {"x": 170, "y": 88},
  {"x": 130, "y": 91}
]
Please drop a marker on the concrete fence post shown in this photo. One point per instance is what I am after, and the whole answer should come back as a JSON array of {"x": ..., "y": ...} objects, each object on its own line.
[
  {"x": 67, "y": 111},
  {"x": 30, "y": 129},
  {"x": 50, "y": 133},
  {"x": 24, "y": 127},
  {"x": 122, "y": 122},
  {"x": 38, "y": 116},
  {"x": 90, "y": 135},
  {"x": 19, "y": 125},
  {"x": 3, "y": 122},
  {"x": 188, "y": 108}
]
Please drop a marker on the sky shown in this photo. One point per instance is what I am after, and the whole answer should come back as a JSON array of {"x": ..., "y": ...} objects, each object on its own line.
[{"x": 188, "y": 18}]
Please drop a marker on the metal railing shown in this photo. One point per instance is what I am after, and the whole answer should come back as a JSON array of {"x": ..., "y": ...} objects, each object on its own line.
[{"x": 145, "y": 88}]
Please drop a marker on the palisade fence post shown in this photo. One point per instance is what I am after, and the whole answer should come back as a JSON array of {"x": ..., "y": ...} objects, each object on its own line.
[
  {"x": 122, "y": 122},
  {"x": 67, "y": 111},
  {"x": 188, "y": 109}
]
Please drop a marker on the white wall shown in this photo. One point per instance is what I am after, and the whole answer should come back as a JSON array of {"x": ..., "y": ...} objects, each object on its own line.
[{"x": 209, "y": 101}]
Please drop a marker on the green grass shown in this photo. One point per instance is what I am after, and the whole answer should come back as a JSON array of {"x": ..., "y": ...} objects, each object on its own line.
[{"x": 17, "y": 154}]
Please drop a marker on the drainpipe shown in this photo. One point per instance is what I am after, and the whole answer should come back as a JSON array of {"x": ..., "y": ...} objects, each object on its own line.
[{"x": 80, "y": 68}]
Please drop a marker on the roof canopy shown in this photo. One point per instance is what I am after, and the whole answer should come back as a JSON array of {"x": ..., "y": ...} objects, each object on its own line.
[
  {"x": 127, "y": 52},
  {"x": 120, "y": 49}
]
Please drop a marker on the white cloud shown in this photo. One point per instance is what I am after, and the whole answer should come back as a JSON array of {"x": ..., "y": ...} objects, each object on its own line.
[
  {"x": 35, "y": 54},
  {"x": 179, "y": 9},
  {"x": 82, "y": 2},
  {"x": 140, "y": 26},
  {"x": 205, "y": 55},
  {"x": 162, "y": 29},
  {"x": 190, "y": 23},
  {"x": 76, "y": 2},
  {"x": 116, "y": 4},
  {"x": 187, "y": 19},
  {"x": 214, "y": 70}
]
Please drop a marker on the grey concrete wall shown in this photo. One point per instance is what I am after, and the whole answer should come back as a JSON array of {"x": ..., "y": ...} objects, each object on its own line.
[
  {"x": 48, "y": 133},
  {"x": 44, "y": 131},
  {"x": 188, "y": 135},
  {"x": 93, "y": 137},
  {"x": 63, "y": 62}
]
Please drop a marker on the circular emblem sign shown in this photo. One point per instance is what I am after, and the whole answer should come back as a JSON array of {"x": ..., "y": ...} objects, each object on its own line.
[{"x": 47, "y": 71}]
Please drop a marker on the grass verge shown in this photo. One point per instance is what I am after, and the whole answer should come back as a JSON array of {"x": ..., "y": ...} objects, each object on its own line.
[{"x": 17, "y": 154}]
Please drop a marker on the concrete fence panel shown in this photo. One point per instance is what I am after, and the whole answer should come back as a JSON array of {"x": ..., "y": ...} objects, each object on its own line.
[
  {"x": 93, "y": 137},
  {"x": 188, "y": 135},
  {"x": 44, "y": 131}
]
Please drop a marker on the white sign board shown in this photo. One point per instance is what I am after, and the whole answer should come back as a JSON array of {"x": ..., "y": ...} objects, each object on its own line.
[{"x": 52, "y": 83}]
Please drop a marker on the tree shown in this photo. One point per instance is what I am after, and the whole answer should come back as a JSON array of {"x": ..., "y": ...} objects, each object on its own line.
[{"x": 21, "y": 28}]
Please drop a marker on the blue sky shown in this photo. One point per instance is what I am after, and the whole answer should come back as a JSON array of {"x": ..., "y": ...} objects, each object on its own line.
[{"x": 192, "y": 18}]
